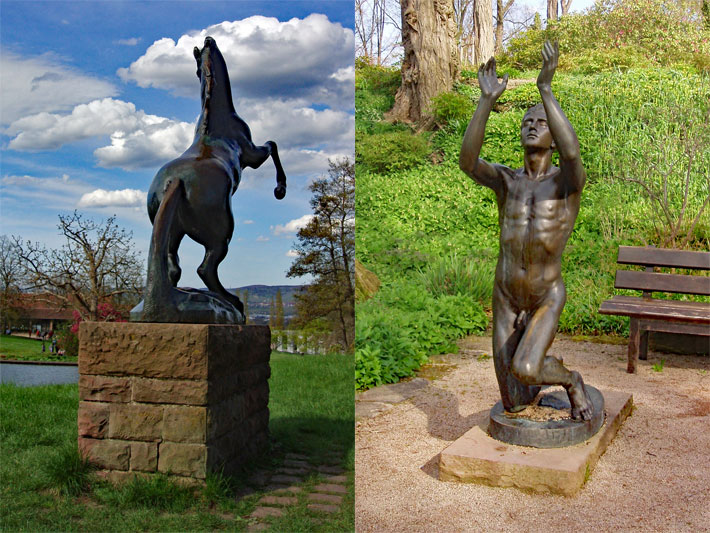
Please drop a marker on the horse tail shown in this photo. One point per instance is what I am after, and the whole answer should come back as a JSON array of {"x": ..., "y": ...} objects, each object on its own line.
[{"x": 159, "y": 291}]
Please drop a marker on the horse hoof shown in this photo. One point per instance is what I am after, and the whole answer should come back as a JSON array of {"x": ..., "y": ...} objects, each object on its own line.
[{"x": 280, "y": 192}]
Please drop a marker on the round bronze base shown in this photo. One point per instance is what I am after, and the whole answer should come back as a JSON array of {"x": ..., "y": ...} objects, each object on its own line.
[{"x": 555, "y": 433}]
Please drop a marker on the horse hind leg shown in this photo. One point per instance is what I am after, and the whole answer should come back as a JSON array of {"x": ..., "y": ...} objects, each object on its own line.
[
  {"x": 254, "y": 156},
  {"x": 174, "y": 270},
  {"x": 208, "y": 273}
]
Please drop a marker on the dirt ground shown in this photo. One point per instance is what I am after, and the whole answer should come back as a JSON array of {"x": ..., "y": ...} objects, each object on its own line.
[{"x": 654, "y": 476}]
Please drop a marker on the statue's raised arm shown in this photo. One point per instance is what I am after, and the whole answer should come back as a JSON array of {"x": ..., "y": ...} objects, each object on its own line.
[
  {"x": 491, "y": 89},
  {"x": 560, "y": 128}
]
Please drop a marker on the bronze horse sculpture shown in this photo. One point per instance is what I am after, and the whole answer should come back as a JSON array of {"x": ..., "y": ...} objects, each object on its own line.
[{"x": 191, "y": 195}]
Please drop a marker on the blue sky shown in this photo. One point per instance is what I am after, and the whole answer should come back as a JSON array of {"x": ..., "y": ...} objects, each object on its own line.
[{"x": 96, "y": 96}]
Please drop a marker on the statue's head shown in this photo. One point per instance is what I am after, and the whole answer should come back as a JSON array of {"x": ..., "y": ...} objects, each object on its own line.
[
  {"x": 211, "y": 69},
  {"x": 534, "y": 130}
]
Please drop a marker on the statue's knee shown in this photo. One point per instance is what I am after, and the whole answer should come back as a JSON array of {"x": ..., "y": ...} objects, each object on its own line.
[{"x": 524, "y": 371}]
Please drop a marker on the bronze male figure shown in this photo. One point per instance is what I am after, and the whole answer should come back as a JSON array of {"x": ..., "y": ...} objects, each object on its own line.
[{"x": 537, "y": 207}]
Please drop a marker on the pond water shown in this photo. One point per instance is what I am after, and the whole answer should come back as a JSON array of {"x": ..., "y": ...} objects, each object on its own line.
[{"x": 29, "y": 374}]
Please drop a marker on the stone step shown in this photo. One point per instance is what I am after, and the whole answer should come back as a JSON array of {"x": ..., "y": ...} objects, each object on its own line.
[
  {"x": 323, "y": 507},
  {"x": 278, "y": 500},
  {"x": 325, "y": 498},
  {"x": 330, "y": 487}
]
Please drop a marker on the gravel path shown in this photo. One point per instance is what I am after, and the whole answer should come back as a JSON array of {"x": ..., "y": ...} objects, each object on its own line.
[{"x": 655, "y": 475}]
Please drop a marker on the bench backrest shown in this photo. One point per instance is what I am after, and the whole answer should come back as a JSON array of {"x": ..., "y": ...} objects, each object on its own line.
[{"x": 653, "y": 281}]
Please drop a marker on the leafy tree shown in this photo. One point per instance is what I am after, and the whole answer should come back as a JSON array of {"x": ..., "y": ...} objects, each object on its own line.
[
  {"x": 279, "y": 309},
  {"x": 95, "y": 266},
  {"x": 325, "y": 251},
  {"x": 272, "y": 314}
]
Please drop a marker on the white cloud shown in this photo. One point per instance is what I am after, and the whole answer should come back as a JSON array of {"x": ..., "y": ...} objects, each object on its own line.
[
  {"x": 133, "y": 41},
  {"x": 122, "y": 198},
  {"x": 32, "y": 85},
  {"x": 137, "y": 138},
  {"x": 294, "y": 126},
  {"x": 292, "y": 226},
  {"x": 292, "y": 253},
  {"x": 151, "y": 145},
  {"x": 266, "y": 58},
  {"x": 261, "y": 238},
  {"x": 248, "y": 222},
  {"x": 60, "y": 192}
]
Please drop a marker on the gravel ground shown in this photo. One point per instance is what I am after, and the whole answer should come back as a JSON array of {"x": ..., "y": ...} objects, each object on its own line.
[{"x": 655, "y": 475}]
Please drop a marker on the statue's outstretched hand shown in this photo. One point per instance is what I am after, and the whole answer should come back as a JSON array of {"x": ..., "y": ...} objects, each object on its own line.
[
  {"x": 550, "y": 56},
  {"x": 488, "y": 80}
]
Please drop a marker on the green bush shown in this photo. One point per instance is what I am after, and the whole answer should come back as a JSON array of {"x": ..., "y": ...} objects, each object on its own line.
[
  {"x": 392, "y": 151},
  {"x": 397, "y": 329},
  {"x": 618, "y": 34},
  {"x": 449, "y": 106},
  {"x": 455, "y": 274}
]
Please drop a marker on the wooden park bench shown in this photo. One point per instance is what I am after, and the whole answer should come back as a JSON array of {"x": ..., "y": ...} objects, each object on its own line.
[{"x": 651, "y": 314}]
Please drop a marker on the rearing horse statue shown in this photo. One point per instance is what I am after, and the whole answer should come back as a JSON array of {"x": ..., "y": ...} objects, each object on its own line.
[{"x": 191, "y": 195}]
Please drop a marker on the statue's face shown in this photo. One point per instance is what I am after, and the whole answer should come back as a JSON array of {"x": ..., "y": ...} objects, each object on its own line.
[{"x": 534, "y": 131}]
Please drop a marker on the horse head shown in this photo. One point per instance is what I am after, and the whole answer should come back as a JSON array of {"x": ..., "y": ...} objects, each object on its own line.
[{"x": 213, "y": 76}]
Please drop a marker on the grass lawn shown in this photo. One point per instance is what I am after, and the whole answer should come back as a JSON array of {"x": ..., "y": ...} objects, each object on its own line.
[
  {"x": 46, "y": 487},
  {"x": 25, "y": 349}
]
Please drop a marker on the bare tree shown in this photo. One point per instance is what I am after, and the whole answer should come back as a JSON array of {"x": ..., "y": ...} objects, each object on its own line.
[
  {"x": 552, "y": 11},
  {"x": 502, "y": 9},
  {"x": 96, "y": 265},
  {"x": 564, "y": 6},
  {"x": 463, "y": 11},
  {"x": 11, "y": 278},
  {"x": 377, "y": 30},
  {"x": 430, "y": 65}
]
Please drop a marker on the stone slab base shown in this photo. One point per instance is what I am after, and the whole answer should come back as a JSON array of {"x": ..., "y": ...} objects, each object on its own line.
[
  {"x": 180, "y": 399},
  {"x": 478, "y": 458}
]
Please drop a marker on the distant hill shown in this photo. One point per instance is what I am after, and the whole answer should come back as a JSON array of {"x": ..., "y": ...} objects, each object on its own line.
[{"x": 260, "y": 301}]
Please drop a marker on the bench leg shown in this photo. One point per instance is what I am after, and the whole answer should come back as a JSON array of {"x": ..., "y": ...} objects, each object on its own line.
[
  {"x": 643, "y": 347},
  {"x": 634, "y": 342}
]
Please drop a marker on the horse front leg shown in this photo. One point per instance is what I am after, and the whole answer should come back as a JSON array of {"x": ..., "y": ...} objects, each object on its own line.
[{"x": 254, "y": 156}]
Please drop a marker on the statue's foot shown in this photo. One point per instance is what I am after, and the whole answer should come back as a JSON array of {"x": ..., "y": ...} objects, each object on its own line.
[{"x": 582, "y": 408}]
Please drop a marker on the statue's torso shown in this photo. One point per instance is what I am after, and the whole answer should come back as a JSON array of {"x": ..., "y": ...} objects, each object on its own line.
[{"x": 536, "y": 219}]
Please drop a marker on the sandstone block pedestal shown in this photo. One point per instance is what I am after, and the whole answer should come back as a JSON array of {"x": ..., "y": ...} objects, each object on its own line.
[
  {"x": 182, "y": 399},
  {"x": 477, "y": 457}
]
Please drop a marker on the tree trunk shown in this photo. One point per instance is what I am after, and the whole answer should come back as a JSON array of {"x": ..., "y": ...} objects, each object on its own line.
[
  {"x": 430, "y": 64},
  {"x": 564, "y": 4},
  {"x": 484, "y": 43},
  {"x": 551, "y": 10},
  {"x": 502, "y": 8}
]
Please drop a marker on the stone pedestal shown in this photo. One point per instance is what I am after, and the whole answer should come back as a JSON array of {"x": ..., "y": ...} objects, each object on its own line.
[
  {"x": 479, "y": 458},
  {"x": 182, "y": 399}
]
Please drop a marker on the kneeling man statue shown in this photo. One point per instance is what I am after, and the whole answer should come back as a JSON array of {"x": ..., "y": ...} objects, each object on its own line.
[{"x": 537, "y": 207}]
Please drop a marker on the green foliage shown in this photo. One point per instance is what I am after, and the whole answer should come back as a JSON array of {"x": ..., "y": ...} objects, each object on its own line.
[
  {"x": 449, "y": 106},
  {"x": 658, "y": 367},
  {"x": 374, "y": 95},
  {"x": 391, "y": 151},
  {"x": 398, "y": 328},
  {"x": 617, "y": 35},
  {"x": 67, "y": 340},
  {"x": 453, "y": 274}
]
